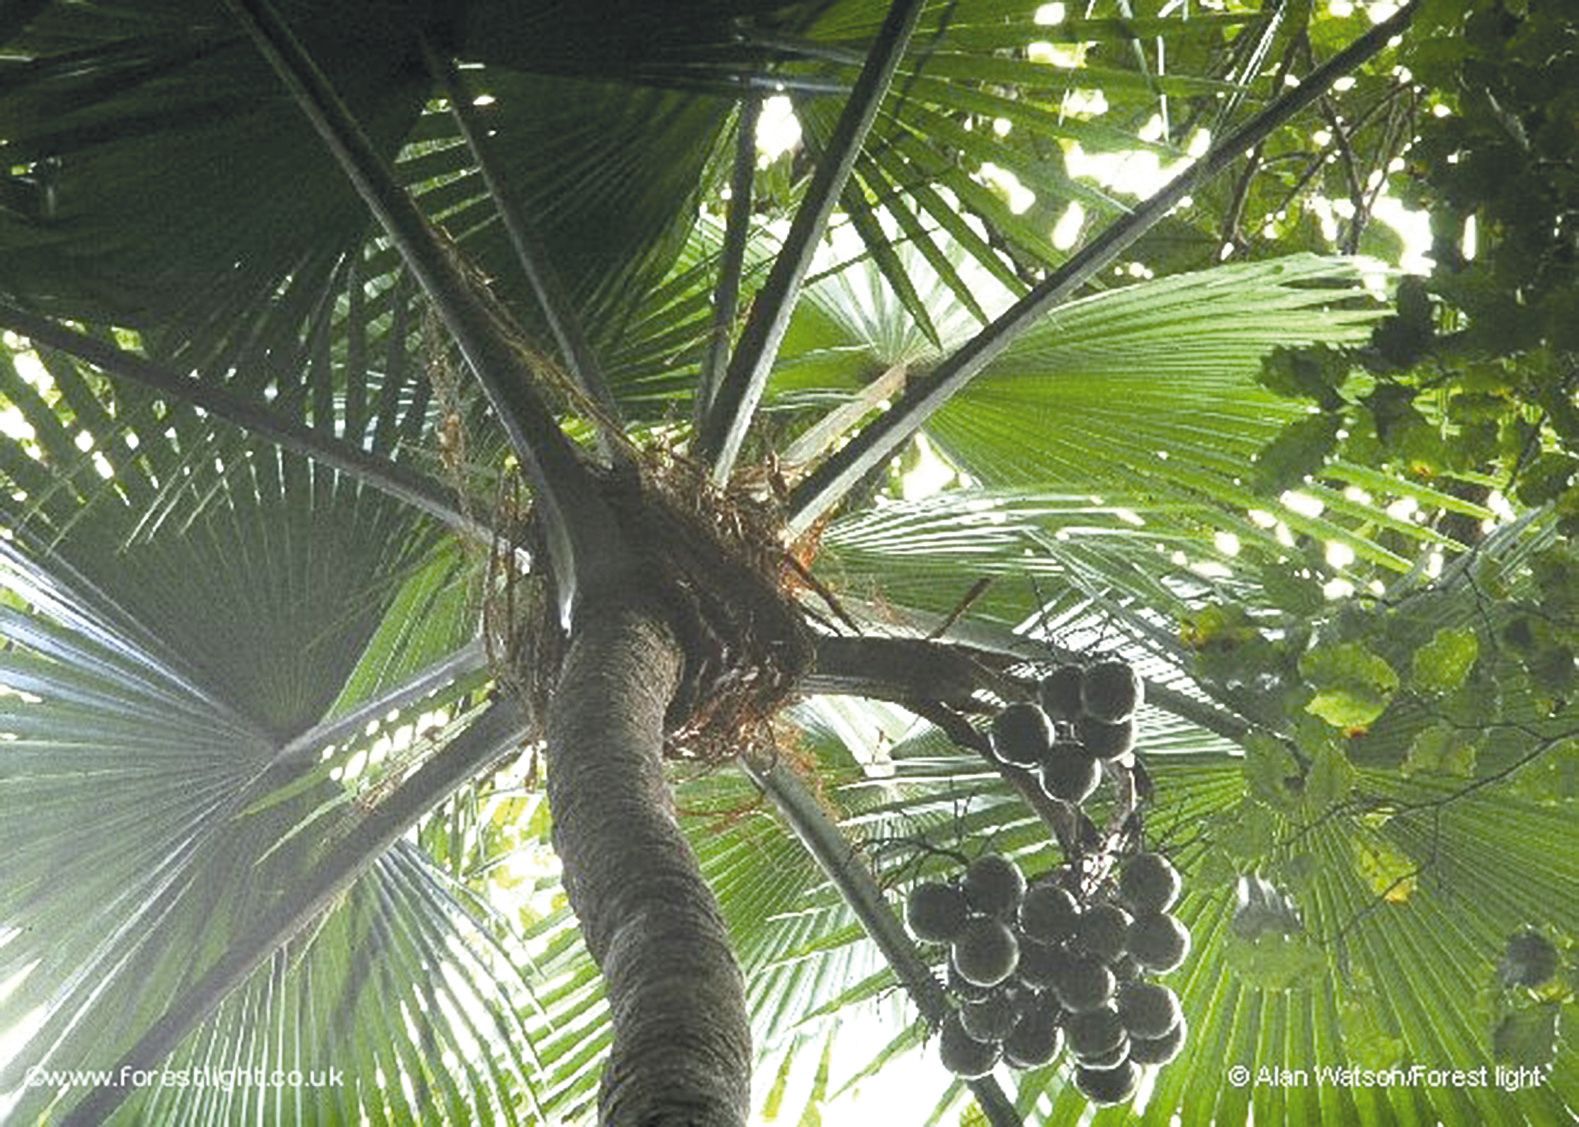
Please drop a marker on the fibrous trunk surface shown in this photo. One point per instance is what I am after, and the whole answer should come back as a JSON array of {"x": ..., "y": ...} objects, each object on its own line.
[{"x": 682, "y": 1052}]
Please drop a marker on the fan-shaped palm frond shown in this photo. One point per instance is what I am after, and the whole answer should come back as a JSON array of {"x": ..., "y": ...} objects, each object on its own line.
[{"x": 176, "y": 663}]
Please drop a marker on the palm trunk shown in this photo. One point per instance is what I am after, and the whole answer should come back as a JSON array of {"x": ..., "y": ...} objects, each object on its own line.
[{"x": 682, "y": 1047}]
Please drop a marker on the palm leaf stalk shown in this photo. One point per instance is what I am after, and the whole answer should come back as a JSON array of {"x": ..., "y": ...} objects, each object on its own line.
[
  {"x": 494, "y": 734},
  {"x": 530, "y": 251},
  {"x": 399, "y": 481},
  {"x": 829, "y": 483},
  {"x": 725, "y": 425},
  {"x": 737, "y": 230},
  {"x": 817, "y": 439},
  {"x": 470, "y": 658},
  {"x": 582, "y": 540},
  {"x": 860, "y": 891}
]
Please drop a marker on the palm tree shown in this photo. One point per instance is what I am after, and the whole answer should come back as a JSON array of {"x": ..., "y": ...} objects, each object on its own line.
[{"x": 417, "y": 427}]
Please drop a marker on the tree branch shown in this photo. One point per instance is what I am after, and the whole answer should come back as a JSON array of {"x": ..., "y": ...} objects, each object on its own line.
[
  {"x": 1241, "y": 191},
  {"x": 724, "y": 428},
  {"x": 860, "y": 891},
  {"x": 990, "y": 645},
  {"x": 883, "y": 437},
  {"x": 493, "y": 734}
]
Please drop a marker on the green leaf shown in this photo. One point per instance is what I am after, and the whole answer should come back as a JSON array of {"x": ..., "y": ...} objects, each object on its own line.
[
  {"x": 1367, "y": 1035},
  {"x": 1553, "y": 778},
  {"x": 1441, "y": 665},
  {"x": 1271, "y": 772},
  {"x": 1441, "y": 750},
  {"x": 1306, "y": 373},
  {"x": 1527, "y": 1036},
  {"x": 1299, "y": 451},
  {"x": 1329, "y": 780},
  {"x": 1353, "y": 685},
  {"x": 1277, "y": 962},
  {"x": 1248, "y": 830}
]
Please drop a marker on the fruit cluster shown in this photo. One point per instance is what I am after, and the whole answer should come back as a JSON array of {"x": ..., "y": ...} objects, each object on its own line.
[
  {"x": 1084, "y": 716},
  {"x": 1035, "y": 968}
]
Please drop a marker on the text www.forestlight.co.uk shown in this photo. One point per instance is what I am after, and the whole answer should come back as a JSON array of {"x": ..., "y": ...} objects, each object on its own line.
[{"x": 202, "y": 1076}]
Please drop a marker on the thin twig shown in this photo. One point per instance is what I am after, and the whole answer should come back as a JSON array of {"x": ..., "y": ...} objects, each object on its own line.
[
  {"x": 977, "y": 590},
  {"x": 1060, "y": 818},
  {"x": 806, "y": 576}
]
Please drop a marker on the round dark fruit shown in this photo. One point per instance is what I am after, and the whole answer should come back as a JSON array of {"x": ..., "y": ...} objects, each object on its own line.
[
  {"x": 1049, "y": 913},
  {"x": 992, "y": 1018},
  {"x": 1039, "y": 963},
  {"x": 1114, "y": 1057},
  {"x": 1083, "y": 983},
  {"x": 1158, "y": 941},
  {"x": 993, "y": 886},
  {"x": 1529, "y": 960},
  {"x": 1125, "y": 968},
  {"x": 1110, "y": 691},
  {"x": 986, "y": 952},
  {"x": 1107, "y": 1086},
  {"x": 1159, "y": 1050},
  {"x": 1148, "y": 883},
  {"x": 1060, "y": 692},
  {"x": 1036, "y": 1040},
  {"x": 1021, "y": 734},
  {"x": 1148, "y": 1009},
  {"x": 965, "y": 991},
  {"x": 935, "y": 912},
  {"x": 1042, "y": 1005},
  {"x": 1103, "y": 931},
  {"x": 1095, "y": 1033},
  {"x": 1104, "y": 740},
  {"x": 962, "y": 1054},
  {"x": 1070, "y": 773}
]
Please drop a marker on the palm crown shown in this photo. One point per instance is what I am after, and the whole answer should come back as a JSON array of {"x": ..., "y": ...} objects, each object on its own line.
[{"x": 306, "y": 390}]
